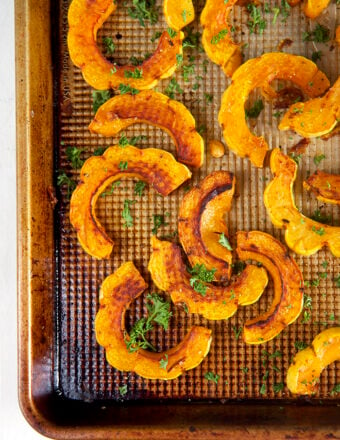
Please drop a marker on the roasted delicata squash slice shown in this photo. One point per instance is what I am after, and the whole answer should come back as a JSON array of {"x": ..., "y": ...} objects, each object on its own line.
[
  {"x": 258, "y": 73},
  {"x": 217, "y": 36},
  {"x": 325, "y": 186},
  {"x": 178, "y": 14},
  {"x": 169, "y": 273},
  {"x": 85, "y": 18},
  {"x": 303, "y": 375},
  {"x": 288, "y": 285},
  {"x": 315, "y": 117},
  {"x": 156, "y": 167},
  {"x": 201, "y": 223},
  {"x": 303, "y": 235},
  {"x": 155, "y": 109},
  {"x": 337, "y": 35},
  {"x": 313, "y": 8},
  {"x": 117, "y": 292}
]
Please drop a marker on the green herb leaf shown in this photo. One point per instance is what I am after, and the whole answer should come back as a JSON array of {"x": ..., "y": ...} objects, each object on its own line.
[
  {"x": 172, "y": 88},
  {"x": 125, "y": 88},
  {"x": 263, "y": 389},
  {"x": 155, "y": 36},
  {"x": 139, "y": 188},
  {"x": 158, "y": 221},
  {"x": 320, "y": 34},
  {"x": 277, "y": 387},
  {"x": 64, "y": 180},
  {"x": 255, "y": 110},
  {"x": 238, "y": 267},
  {"x": 126, "y": 214},
  {"x": 319, "y": 231},
  {"x": 256, "y": 22},
  {"x": 99, "y": 97},
  {"x": 192, "y": 39},
  {"x": 113, "y": 186},
  {"x": 123, "y": 165},
  {"x": 163, "y": 363},
  {"x": 336, "y": 389},
  {"x": 137, "y": 73},
  {"x": 212, "y": 377},
  {"x": 225, "y": 242},
  {"x": 316, "y": 55},
  {"x": 217, "y": 38},
  {"x": 300, "y": 345},
  {"x": 123, "y": 390},
  {"x": 73, "y": 155},
  {"x": 321, "y": 218},
  {"x": 237, "y": 331},
  {"x": 337, "y": 281},
  {"x": 99, "y": 151},
  {"x": 318, "y": 158},
  {"x": 201, "y": 275},
  {"x": 171, "y": 32},
  {"x": 109, "y": 45},
  {"x": 144, "y": 10}
]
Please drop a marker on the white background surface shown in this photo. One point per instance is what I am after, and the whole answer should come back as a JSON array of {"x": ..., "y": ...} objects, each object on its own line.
[{"x": 12, "y": 423}]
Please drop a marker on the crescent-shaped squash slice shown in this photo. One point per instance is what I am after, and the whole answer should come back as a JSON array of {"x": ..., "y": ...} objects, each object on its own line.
[
  {"x": 170, "y": 274},
  {"x": 85, "y": 18},
  {"x": 201, "y": 222},
  {"x": 315, "y": 117},
  {"x": 156, "y": 167},
  {"x": 117, "y": 292},
  {"x": 155, "y": 109},
  {"x": 337, "y": 35},
  {"x": 255, "y": 73},
  {"x": 288, "y": 285},
  {"x": 325, "y": 186},
  {"x": 313, "y": 8},
  {"x": 217, "y": 37},
  {"x": 178, "y": 14},
  {"x": 303, "y": 235},
  {"x": 303, "y": 375}
]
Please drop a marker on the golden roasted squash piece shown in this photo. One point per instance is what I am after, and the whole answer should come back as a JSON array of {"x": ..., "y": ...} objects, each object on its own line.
[
  {"x": 155, "y": 109},
  {"x": 85, "y": 18},
  {"x": 303, "y": 235},
  {"x": 117, "y": 292},
  {"x": 313, "y": 8},
  {"x": 178, "y": 14},
  {"x": 315, "y": 117},
  {"x": 258, "y": 73},
  {"x": 288, "y": 285},
  {"x": 169, "y": 273},
  {"x": 303, "y": 375},
  {"x": 217, "y": 36},
  {"x": 201, "y": 223},
  {"x": 156, "y": 167},
  {"x": 337, "y": 35},
  {"x": 325, "y": 186}
]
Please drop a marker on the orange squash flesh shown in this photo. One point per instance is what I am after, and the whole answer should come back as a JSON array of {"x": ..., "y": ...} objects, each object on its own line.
[
  {"x": 201, "y": 222},
  {"x": 325, "y": 186},
  {"x": 85, "y": 18},
  {"x": 117, "y": 292},
  {"x": 313, "y": 8},
  {"x": 315, "y": 117},
  {"x": 169, "y": 274},
  {"x": 288, "y": 285},
  {"x": 156, "y": 167},
  {"x": 303, "y": 235},
  {"x": 178, "y": 14},
  {"x": 256, "y": 73},
  {"x": 217, "y": 36},
  {"x": 337, "y": 35},
  {"x": 155, "y": 109},
  {"x": 303, "y": 375}
]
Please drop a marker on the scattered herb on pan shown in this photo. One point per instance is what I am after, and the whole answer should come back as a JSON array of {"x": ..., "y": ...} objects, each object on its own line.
[
  {"x": 123, "y": 390},
  {"x": 218, "y": 37},
  {"x": 320, "y": 34},
  {"x": 155, "y": 36},
  {"x": 336, "y": 389},
  {"x": 263, "y": 389},
  {"x": 337, "y": 281},
  {"x": 137, "y": 73},
  {"x": 255, "y": 110},
  {"x": 139, "y": 188},
  {"x": 256, "y": 22},
  {"x": 300, "y": 345},
  {"x": 321, "y": 218},
  {"x": 296, "y": 157},
  {"x": 126, "y": 214},
  {"x": 318, "y": 158},
  {"x": 200, "y": 276},
  {"x": 316, "y": 55},
  {"x": 192, "y": 39},
  {"x": 64, "y": 180},
  {"x": 125, "y": 88},
  {"x": 144, "y": 10},
  {"x": 99, "y": 97},
  {"x": 158, "y": 221},
  {"x": 163, "y": 363},
  {"x": 73, "y": 155},
  {"x": 277, "y": 387},
  {"x": 237, "y": 331},
  {"x": 171, "y": 32},
  {"x": 187, "y": 71},
  {"x": 208, "y": 98},
  {"x": 238, "y": 267},
  {"x": 225, "y": 242},
  {"x": 109, "y": 45},
  {"x": 210, "y": 376},
  {"x": 158, "y": 312},
  {"x": 99, "y": 151},
  {"x": 124, "y": 141},
  {"x": 172, "y": 88},
  {"x": 110, "y": 191}
]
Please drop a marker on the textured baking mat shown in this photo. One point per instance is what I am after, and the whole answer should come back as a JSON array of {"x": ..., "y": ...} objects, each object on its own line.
[{"x": 245, "y": 372}]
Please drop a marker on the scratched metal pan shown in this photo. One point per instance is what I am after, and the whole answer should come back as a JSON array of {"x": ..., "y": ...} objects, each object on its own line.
[{"x": 67, "y": 390}]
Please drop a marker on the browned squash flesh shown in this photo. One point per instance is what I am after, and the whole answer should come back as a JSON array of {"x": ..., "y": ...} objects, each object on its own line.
[
  {"x": 117, "y": 292},
  {"x": 315, "y": 117},
  {"x": 156, "y": 167},
  {"x": 303, "y": 375},
  {"x": 201, "y": 222},
  {"x": 337, "y": 35},
  {"x": 217, "y": 36},
  {"x": 178, "y": 14},
  {"x": 325, "y": 186},
  {"x": 256, "y": 73},
  {"x": 169, "y": 273},
  {"x": 303, "y": 235},
  {"x": 155, "y": 109},
  {"x": 313, "y": 8},
  {"x": 85, "y": 18},
  {"x": 288, "y": 285}
]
